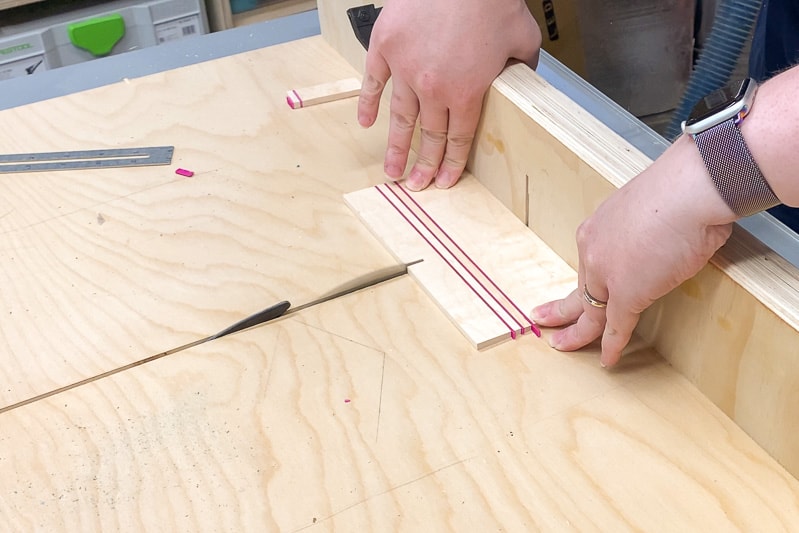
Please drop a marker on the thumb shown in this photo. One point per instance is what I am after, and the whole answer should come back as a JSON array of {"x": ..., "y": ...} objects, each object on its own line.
[{"x": 528, "y": 44}]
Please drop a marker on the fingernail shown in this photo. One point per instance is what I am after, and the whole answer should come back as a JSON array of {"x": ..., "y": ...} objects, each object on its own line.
[
  {"x": 394, "y": 172},
  {"x": 364, "y": 120},
  {"x": 415, "y": 181},
  {"x": 445, "y": 179},
  {"x": 605, "y": 360},
  {"x": 554, "y": 342},
  {"x": 537, "y": 315}
]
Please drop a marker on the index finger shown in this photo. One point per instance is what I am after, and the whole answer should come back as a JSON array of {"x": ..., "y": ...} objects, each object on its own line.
[
  {"x": 375, "y": 77},
  {"x": 618, "y": 331},
  {"x": 592, "y": 320}
]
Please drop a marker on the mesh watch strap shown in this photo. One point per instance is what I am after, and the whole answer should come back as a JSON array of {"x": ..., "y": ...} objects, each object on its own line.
[{"x": 733, "y": 169}]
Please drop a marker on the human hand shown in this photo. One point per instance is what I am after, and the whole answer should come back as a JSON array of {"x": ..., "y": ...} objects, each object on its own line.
[
  {"x": 443, "y": 56},
  {"x": 654, "y": 233}
]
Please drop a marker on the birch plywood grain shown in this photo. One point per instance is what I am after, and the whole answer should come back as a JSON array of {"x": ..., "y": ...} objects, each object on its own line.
[
  {"x": 101, "y": 268},
  {"x": 478, "y": 262},
  {"x": 547, "y": 166},
  {"x": 732, "y": 330},
  {"x": 253, "y": 433}
]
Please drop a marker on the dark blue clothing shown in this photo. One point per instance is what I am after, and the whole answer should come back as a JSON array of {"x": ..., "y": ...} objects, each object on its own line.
[
  {"x": 775, "y": 43},
  {"x": 775, "y": 47}
]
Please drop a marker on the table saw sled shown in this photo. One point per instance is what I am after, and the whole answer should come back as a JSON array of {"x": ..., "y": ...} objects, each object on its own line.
[{"x": 423, "y": 403}]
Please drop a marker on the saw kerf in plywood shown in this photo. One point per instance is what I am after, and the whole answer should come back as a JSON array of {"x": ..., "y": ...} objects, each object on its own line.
[{"x": 479, "y": 265}]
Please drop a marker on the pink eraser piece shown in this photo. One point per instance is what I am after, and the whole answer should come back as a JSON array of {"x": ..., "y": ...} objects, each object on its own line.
[{"x": 184, "y": 172}]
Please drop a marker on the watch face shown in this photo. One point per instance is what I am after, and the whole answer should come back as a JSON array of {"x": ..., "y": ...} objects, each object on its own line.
[{"x": 718, "y": 101}]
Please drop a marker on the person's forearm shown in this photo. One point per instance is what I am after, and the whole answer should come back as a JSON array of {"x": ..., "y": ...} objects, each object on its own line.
[
  {"x": 772, "y": 133},
  {"x": 681, "y": 188}
]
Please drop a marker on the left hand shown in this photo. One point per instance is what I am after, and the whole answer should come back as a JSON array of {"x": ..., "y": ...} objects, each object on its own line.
[
  {"x": 654, "y": 233},
  {"x": 442, "y": 56}
]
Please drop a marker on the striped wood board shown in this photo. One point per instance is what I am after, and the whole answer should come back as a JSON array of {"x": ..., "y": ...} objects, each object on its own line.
[{"x": 477, "y": 263}]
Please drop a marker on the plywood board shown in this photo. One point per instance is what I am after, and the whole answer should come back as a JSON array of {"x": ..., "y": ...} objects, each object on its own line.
[
  {"x": 254, "y": 432},
  {"x": 323, "y": 93},
  {"x": 479, "y": 265},
  {"x": 732, "y": 330},
  {"x": 101, "y": 268}
]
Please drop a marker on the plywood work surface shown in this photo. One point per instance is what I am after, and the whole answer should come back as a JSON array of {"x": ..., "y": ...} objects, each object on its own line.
[
  {"x": 369, "y": 412},
  {"x": 333, "y": 420},
  {"x": 100, "y": 268}
]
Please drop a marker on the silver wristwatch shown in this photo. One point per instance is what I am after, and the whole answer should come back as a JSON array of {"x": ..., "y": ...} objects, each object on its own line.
[{"x": 713, "y": 124}]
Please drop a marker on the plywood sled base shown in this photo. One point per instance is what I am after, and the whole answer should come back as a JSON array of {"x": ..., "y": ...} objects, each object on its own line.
[
  {"x": 481, "y": 265},
  {"x": 732, "y": 329}
]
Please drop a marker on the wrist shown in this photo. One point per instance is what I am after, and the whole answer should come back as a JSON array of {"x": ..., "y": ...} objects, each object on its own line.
[
  {"x": 682, "y": 175},
  {"x": 715, "y": 126},
  {"x": 771, "y": 130}
]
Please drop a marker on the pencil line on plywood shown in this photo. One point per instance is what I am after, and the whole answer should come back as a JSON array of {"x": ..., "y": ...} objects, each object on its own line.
[
  {"x": 91, "y": 207},
  {"x": 337, "y": 335},
  {"x": 382, "y": 370},
  {"x": 383, "y": 493},
  {"x": 380, "y": 397}
]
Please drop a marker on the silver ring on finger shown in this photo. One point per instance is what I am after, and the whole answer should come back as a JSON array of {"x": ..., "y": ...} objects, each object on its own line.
[{"x": 593, "y": 302}]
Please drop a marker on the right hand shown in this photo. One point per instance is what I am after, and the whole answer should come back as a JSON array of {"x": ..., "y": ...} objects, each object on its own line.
[
  {"x": 647, "y": 238},
  {"x": 443, "y": 56}
]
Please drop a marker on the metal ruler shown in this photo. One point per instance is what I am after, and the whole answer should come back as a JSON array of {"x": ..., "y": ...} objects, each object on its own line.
[{"x": 114, "y": 157}]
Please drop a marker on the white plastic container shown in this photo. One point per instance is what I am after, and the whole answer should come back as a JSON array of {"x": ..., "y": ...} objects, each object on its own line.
[{"x": 45, "y": 44}]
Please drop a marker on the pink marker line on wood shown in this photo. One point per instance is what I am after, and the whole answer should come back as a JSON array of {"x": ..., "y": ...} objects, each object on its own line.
[
  {"x": 448, "y": 263},
  {"x": 455, "y": 256},
  {"x": 466, "y": 256},
  {"x": 293, "y": 99},
  {"x": 533, "y": 326}
]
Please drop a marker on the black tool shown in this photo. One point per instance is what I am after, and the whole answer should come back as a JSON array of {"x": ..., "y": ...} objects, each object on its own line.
[
  {"x": 363, "y": 19},
  {"x": 281, "y": 308}
]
